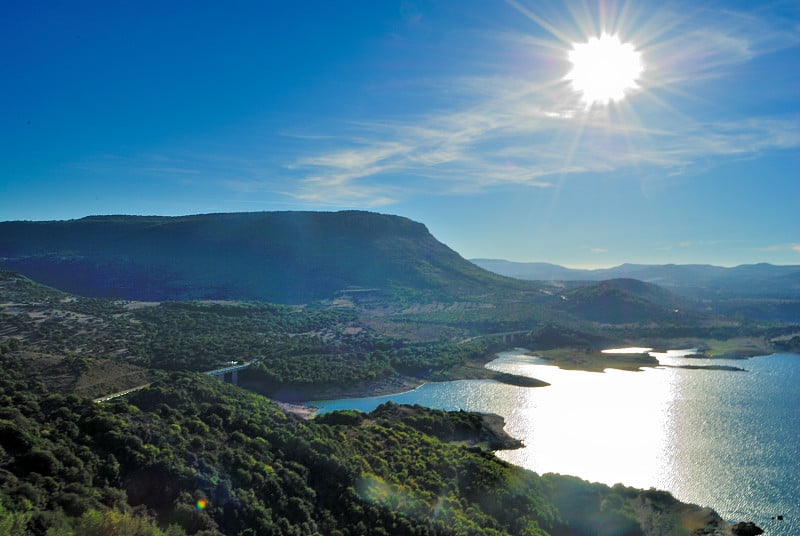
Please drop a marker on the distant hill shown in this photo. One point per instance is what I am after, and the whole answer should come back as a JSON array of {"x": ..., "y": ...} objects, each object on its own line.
[
  {"x": 763, "y": 280},
  {"x": 302, "y": 257},
  {"x": 758, "y": 291},
  {"x": 284, "y": 257},
  {"x": 620, "y": 301}
]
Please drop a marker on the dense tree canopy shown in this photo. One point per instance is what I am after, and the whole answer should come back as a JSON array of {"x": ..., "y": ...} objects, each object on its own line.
[{"x": 192, "y": 455}]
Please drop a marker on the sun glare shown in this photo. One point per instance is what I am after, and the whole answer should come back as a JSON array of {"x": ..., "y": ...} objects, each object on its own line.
[{"x": 604, "y": 69}]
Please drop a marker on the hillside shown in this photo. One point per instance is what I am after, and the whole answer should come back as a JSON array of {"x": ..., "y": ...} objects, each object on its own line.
[
  {"x": 147, "y": 462},
  {"x": 191, "y": 455},
  {"x": 763, "y": 280},
  {"x": 282, "y": 257},
  {"x": 759, "y": 291},
  {"x": 620, "y": 301},
  {"x": 295, "y": 257},
  {"x": 388, "y": 264}
]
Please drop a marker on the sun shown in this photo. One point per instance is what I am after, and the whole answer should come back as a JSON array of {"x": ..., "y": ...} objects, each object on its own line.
[{"x": 604, "y": 69}]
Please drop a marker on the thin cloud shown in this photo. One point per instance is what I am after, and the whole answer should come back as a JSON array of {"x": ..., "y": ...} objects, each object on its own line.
[
  {"x": 508, "y": 141},
  {"x": 355, "y": 159},
  {"x": 500, "y": 131},
  {"x": 534, "y": 132},
  {"x": 780, "y": 247},
  {"x": 709, "y": 43}
]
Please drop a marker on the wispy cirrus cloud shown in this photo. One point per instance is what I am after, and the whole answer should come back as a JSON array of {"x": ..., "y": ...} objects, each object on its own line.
[
  {"x": 530, "y": 131},
  {"x": 780, "y": 247},
  {"x": 356, "y": 159},
  {"x": 521, "y": 128},
  {"x": 530, "y": 139}
]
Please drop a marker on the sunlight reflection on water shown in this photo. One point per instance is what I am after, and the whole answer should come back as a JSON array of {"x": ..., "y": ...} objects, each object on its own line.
[
  {"x": 591, "y": 415},
  {"x": 629, "y": 350},
  {"x": 730, "y": 440}
]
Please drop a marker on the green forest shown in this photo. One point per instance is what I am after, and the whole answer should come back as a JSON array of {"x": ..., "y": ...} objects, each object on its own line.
[{"x": 191, "y": 455}]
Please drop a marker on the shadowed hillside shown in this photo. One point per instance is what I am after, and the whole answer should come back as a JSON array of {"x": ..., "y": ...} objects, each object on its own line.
[
  {"x": 691, "y": 280},
  {"x": 759, "y": 291},
  {"x": 618, "y": 301},
  {"x": 286, "y": 257}
]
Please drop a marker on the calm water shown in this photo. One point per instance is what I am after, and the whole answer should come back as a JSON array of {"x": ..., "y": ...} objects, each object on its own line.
[{"x": 730, "y": 440}]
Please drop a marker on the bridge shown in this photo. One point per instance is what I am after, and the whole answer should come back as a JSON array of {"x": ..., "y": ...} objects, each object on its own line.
[{"x": 229, "y": 374}]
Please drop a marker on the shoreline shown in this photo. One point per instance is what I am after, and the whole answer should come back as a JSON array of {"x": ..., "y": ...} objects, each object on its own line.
[
  {"x": 496, "y": 424},
  {"x": 692, "y": 515},
  {"x": 393, "y": 384},
  {"x": 294, "y": 400}
]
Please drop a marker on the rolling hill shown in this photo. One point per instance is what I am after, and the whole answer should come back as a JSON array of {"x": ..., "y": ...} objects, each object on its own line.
[
  {"x": 302, "y": 257},
  {"x": 763, "y": 280},
  {"x": 758, "y": 291},
  {"x": 621, "y": 301}
]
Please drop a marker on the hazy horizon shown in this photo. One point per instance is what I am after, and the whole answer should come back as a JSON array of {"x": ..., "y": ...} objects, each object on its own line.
[
  {"x": 609, "y": 266},
  {"x": 474, "y": 258},
  {"x": 476, "y": 119}
]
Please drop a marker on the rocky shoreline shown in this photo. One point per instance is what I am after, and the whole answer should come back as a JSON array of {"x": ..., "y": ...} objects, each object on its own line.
[{"x": 495, "y": 435}]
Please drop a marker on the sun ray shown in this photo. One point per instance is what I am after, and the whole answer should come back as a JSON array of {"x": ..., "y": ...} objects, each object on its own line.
[
  {"x": 628, "y": 133},
  {"x": 583, "y": 19},
  {"x": 626, "y": 17},
  {"x": 560, "y": 179},
  {"x": 650, "y": 30},
  {"x": 602, "y": 17},
  {"x": 555, "y": 32}
]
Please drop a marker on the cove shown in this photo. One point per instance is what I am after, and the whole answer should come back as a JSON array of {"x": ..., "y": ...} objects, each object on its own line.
[{"x": 725, "y": 439}]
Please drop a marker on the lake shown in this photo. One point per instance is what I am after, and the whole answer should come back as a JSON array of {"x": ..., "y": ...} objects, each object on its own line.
[{"x": 725, "y": 439}]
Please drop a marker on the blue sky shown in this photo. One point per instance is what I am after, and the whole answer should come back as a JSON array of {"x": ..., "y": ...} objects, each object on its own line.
[{"x": 453, "y": 113}]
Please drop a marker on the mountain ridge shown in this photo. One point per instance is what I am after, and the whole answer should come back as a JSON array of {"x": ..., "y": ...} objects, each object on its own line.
[
  {"x": 284, "y": 257},
  {"x": 759, "y": 291},
  {"x": 678, "y": 276}
]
